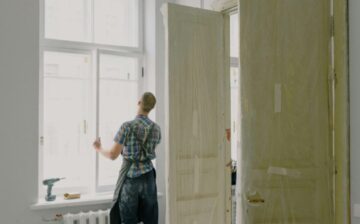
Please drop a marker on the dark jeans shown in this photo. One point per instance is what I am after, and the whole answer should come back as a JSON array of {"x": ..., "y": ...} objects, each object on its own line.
[{"x": 138, "y": 201}]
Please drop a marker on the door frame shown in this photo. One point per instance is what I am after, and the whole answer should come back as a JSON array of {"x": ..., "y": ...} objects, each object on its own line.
[{"x": 341, "y": 111}]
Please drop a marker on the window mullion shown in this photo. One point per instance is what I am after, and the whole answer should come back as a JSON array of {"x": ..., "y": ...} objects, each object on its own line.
[
  {"x": 72, "y": 45},
  {"x": 92, "y": 18},
  {"x": 97, "y": 119},
  {"x": 141, "y": 31}
]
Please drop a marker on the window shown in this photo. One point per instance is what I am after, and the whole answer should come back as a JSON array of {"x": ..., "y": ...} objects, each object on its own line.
[{"x": 91, "y": 56}]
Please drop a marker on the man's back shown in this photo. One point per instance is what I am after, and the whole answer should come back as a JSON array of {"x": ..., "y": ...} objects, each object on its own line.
[
  {"x": 135, "y": 196},
  {"x": 139, "y": 137}
]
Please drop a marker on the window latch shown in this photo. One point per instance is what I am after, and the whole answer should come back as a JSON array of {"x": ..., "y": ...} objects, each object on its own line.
[{"x": 41, "y": 140}]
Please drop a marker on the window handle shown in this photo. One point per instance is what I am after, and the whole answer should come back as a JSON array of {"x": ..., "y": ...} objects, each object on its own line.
[{"x": 41, "y": 140}]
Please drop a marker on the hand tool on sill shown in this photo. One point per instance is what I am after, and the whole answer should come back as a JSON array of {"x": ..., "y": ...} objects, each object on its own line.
[{"x": 50, "y": 183}]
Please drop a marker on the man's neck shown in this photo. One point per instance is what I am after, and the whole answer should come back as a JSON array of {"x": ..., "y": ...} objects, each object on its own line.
[{"x": 142, "y": 114}]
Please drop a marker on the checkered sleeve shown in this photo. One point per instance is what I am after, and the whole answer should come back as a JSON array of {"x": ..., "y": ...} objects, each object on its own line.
[
  {"x": 122, "y": 134},
  {"x": 159, "y": 136}
]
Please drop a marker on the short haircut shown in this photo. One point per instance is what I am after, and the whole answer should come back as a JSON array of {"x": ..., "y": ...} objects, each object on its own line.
[{"x": 148, "y": 102}]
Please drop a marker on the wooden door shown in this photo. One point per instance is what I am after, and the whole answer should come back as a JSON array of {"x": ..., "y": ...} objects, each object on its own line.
[
  {"x": 287, "y": 158},
  {"x": 197, "y": 114}
]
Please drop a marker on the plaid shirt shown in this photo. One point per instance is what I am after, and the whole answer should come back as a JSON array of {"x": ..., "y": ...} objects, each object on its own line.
[{"x": 130, "y": 134}]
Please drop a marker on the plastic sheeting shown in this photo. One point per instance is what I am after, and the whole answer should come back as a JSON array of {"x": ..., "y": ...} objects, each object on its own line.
[
  {"x": 197, "y": 115},
  {"x": 286, "y": 155}
]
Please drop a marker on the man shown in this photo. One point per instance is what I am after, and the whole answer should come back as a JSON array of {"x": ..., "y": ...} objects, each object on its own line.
[{"x": 135, "y": 197}]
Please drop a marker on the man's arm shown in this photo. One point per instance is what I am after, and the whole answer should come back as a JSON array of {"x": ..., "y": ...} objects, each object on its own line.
[{"x": 112, "y": 153}]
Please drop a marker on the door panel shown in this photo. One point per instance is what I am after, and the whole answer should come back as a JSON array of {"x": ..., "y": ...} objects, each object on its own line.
[
  {"x": 197, "y": 114},
  {"x": 286, "y": 160}
]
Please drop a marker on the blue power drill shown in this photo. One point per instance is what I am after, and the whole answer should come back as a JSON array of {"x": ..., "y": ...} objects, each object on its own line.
[{"x": 50, "y": 183}]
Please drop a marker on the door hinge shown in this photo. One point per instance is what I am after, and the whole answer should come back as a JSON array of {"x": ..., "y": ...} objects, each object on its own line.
[{"x": 142, "y": 72}]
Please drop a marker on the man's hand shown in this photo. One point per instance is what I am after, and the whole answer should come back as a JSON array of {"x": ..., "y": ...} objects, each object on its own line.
[
  {"x": 112, "y": 154},
  {"x": 97, "y": 144}
]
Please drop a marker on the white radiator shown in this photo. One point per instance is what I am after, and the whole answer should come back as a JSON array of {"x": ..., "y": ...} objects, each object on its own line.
[{"x": 97, "y": 217}]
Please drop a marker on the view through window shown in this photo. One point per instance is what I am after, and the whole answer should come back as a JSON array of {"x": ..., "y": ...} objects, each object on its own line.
[{"x": 91, "y": 55}]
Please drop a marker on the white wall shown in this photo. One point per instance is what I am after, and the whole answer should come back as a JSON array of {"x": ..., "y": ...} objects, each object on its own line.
[
  {"x": 19, "y": 28},
  {"x": 354, "y": 7}
]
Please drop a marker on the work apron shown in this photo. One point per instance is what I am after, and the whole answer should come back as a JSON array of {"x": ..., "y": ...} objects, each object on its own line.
[{"x": 115, "y": 217}]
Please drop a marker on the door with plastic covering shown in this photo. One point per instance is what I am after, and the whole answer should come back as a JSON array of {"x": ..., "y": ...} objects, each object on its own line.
[
  {"x": 286, "y": 160},
  {"x": 197, "y": 114}
]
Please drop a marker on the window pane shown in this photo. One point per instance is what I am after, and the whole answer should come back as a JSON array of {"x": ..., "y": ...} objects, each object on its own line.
[
  {"x": 118, "y": 103},
  {"x": 66, "y": 65},
  {"x": 234, "y": 35},
  {"x": 66, "y": 153},
  {"x": 116, "y": 22},
  {"x": 67, "y": 20}
]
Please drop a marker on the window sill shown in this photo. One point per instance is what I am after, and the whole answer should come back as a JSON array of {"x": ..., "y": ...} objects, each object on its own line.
[{"x": 83, "y": 201}]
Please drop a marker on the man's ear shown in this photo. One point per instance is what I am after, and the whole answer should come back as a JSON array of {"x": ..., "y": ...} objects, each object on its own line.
[{"x": 139, "y": 103}]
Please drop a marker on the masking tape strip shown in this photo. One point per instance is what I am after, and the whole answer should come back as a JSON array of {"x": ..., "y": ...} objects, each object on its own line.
[
  {"x": 277, "y": 100},
  {"x": 284, "y": 172}
]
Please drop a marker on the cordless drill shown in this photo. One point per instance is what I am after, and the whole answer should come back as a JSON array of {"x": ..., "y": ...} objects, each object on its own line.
[{"x": 50, "y": 183}]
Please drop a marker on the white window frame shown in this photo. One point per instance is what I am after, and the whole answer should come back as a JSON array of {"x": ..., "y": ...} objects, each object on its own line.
[
  {"x": 94, "y": 50},
  {"x": 91, "y": 45}
]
